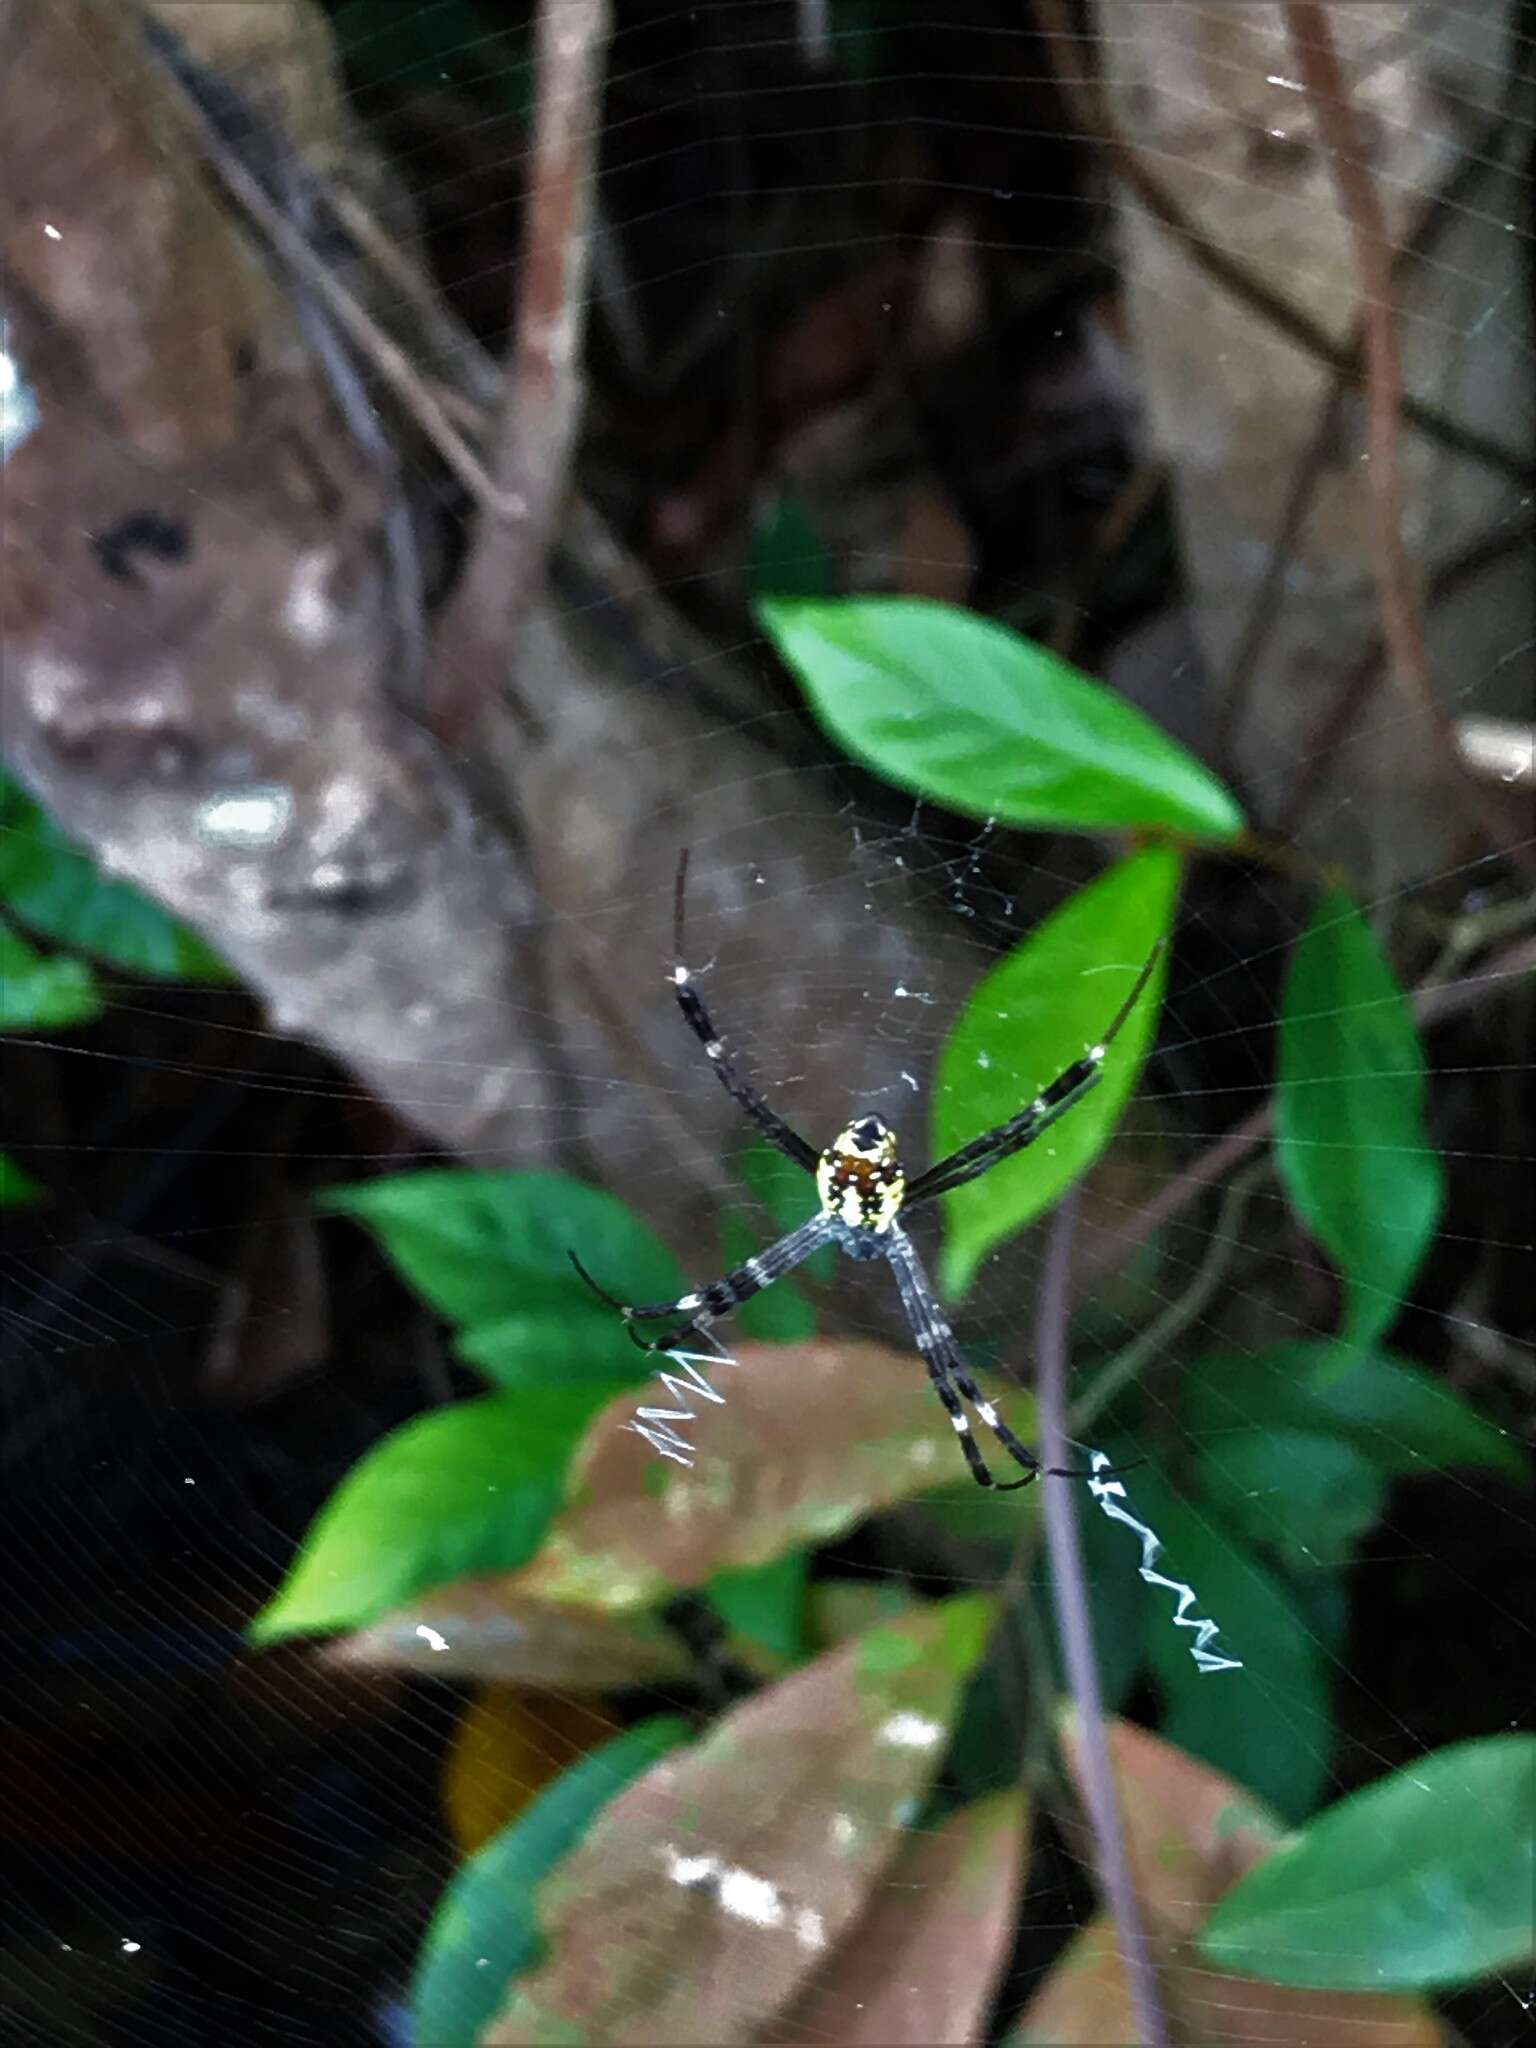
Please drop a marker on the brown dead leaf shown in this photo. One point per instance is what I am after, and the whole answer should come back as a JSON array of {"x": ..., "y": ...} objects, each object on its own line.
[
  {"x": 811, "y": 1439},
  {"x": 710, "y": 1889},
  {"x": 1085, "y": 2003},
  {"x": 478, "y": 1629},
  {"x": 921, "y": 1963},
  {"x": 1191, "y": 1834}
]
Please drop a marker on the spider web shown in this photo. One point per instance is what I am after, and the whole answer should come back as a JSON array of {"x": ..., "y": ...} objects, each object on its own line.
[{"x": 206, "y": 1847}]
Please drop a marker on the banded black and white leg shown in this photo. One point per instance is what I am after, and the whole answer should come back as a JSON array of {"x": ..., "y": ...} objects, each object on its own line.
[
  {"x": 1033, "y": 1121},
  {"x": 773, "y": 1127},
  {"x": 708, "y": 1304},
  {"x": 947, "y": 1370}
]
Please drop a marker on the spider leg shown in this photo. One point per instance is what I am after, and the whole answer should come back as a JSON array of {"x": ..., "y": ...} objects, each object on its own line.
[
  {"x": 1064, "y": 1093},
  {"x": 953, "y": 1383},
  {"x": 946, "y": 1369},
  {"x": 706, "y": 1305},
  {"x": 773, "y": 1127}
]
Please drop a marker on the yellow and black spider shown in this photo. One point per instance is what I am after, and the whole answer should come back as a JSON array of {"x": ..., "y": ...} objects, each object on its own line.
[{"x": 864, "y": 1191}]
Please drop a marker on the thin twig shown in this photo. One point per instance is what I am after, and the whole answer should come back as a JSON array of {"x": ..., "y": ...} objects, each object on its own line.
[
  {"x": 1087, "y": 106},
  {"x": 1075, "y": 1627},
  {"x": 1444, "y": 207},
  {"x": 532, "y": 443},
  {"x": 1328, "y": 95},
  {"x": 1243, "y": 665},
  {"x": 389, "y": 360}
]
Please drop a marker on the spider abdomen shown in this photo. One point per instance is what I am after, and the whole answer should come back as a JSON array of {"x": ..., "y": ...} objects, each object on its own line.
[{"x": 861, "y": 1184}]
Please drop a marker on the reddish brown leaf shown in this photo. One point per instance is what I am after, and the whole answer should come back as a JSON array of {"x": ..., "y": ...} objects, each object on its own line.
[
  {"x": 921, "y": 1963},
  {"x": 478, "y": 1629},
  {"x": 812, "y": 1437},
  {"x": 1191, "y": 1834},
  {"x": 708, "y": 1892},
  {"x": 1085, "y": 2003}
]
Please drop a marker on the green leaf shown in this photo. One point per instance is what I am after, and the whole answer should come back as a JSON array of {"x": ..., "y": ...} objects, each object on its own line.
[
  {"x": 1310, "y": 1498},
  {"x": 766, "y": 1603},
  {"x": 466, "y": 1489},
  {"x": 42, "y": 994},
  {"x": 58, "y": 890},
  {"x": 1397, "y": 1415},
  {"x": 18, "y": 1190},
  {"x": 1421, "y": 1882},
  {"x": 491, "y": 1251},
  {"x": 789, "y": 557},
  {"x": 484, "y": 1932},
  {"x": 1033, "y": 1015},
  {"x": 965, "y": 711},
  {"x": 1268, "y": 1725},
  {"x": 1349, "y": 1117}
]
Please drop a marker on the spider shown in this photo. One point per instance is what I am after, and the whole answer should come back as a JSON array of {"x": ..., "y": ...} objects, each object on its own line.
[{"x": 864, "y": 1192}]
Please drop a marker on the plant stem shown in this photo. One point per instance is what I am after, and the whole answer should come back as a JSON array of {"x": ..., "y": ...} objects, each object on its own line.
[{"x": 1075, "y": 1627}]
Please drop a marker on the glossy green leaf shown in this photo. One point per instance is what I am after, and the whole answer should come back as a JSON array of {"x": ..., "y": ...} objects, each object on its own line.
[
  {"x": 59, "y": 890},
  {"x": 471, "y": 1488},
  {"x": 963, "y": 710},
  {"x": 39, "y": 993},
  {"x": 1397, "y": 1415},
  {"x": 1349, "y": 1116},
  {"x": 1268, "y": 1725},
  {"x": 484, "y": 1931},
  {"x": 18, "y": 1190},
  {"x": 1421, "y": 1882},
  {"x": 491, "y": 1251},
  {"x": 766, "y": 1603},
  {"x": 789, "y": 557},
  {"x": 1034, "y": 1014}
]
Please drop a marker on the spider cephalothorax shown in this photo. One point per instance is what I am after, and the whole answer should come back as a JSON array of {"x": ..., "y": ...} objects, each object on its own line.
[
  {"x": 863, "y": 1189},
  {"x": 861, "y": 1185}
]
